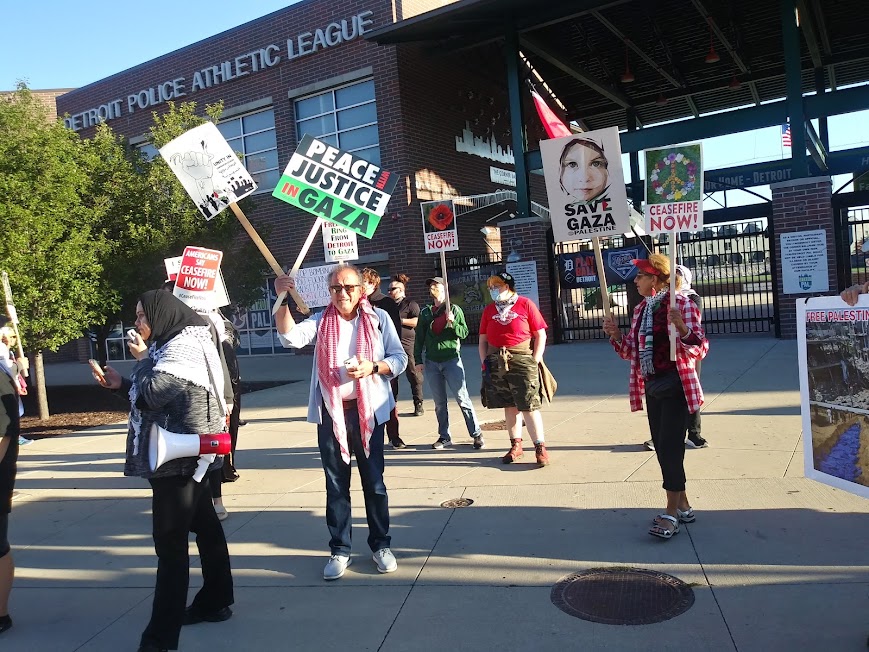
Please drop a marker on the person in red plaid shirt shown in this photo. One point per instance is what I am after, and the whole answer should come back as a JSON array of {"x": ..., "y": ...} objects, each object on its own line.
[{"x": 672, "y": 388}]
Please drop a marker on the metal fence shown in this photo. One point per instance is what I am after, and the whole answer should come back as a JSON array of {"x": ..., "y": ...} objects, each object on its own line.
[
  {"x": 853, "y": 237},
  {"x": 466, "y": 277},
  {"x": 732, "y": 273}
]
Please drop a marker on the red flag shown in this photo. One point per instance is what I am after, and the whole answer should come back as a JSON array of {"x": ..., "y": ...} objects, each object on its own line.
[{"x": 555, "y": 128}]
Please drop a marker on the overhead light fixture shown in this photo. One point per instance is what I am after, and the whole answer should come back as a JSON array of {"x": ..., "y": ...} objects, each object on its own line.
[
  {"x": 661, "y": 101},
  {"x": 487, "y": 230},
  {"x": 712, "y": 57},
  {"x": 735, "y": 83},
  {"x": 627, "y": 75}
]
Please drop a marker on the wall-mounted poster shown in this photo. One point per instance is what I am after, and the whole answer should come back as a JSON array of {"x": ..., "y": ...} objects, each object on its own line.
[
  {"x": 585, "y": 185},
  {"x": 833, "y": 351}
]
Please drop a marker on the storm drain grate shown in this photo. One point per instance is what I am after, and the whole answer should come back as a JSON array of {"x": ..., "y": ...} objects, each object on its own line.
[
  {"x": 455, "y": 503},
  {"x": 622, "y": 596}
]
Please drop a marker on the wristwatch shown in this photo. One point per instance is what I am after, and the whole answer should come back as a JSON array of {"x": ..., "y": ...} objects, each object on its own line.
[{"x": 376, "y": 369}]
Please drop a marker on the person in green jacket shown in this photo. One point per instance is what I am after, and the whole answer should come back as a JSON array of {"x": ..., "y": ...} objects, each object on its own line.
[{"x": 437, "y": 348}]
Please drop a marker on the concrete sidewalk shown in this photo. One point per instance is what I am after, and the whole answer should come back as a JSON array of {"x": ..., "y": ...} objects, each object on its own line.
[{"x": 777, "y": 562}]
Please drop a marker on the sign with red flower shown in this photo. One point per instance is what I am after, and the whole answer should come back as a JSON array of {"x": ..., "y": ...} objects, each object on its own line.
[{"x": 439, "y": 226}]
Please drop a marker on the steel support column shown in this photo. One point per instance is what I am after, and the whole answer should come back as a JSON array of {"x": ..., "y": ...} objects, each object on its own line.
[
  {"x": 517, "y": 121},
  {"x": 794, "y": 86}
]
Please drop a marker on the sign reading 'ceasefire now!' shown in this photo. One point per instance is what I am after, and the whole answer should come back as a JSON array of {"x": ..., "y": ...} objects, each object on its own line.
[{"x": 337, "y": 186}]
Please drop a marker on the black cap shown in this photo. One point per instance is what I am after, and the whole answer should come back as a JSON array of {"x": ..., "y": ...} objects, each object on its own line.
[
  {"x": 507, "y": 277},
  {"x": 434, "y": 279}
]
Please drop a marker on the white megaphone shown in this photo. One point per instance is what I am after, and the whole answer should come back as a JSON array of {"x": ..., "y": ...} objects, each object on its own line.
[{"x": 167, "y": 445}]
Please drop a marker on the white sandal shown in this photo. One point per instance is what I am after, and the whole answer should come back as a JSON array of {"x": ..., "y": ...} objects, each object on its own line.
[{"x": 663, "y": 532}]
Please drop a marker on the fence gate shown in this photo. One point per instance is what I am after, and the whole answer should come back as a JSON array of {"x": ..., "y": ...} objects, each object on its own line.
[
  {"x": 732, "y": 271},
  {"x": 852, "y": 235},
  {"x": 466, "y": 276}
]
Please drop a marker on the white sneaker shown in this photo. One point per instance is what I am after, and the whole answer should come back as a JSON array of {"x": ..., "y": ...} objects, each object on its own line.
[
  {"x": 649, "y": 444},
  {"x": 385, "y": 561},
  {"x": 336, "y": 566}
]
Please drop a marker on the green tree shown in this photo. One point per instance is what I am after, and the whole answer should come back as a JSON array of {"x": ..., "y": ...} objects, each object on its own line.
[
  {"x": 50, "y": 246},
  {"x": 150, "y": 217}
]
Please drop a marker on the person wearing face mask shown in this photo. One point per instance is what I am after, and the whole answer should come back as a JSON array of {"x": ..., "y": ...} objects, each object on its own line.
[
  {"x": 436, "y": 349},
  {"x": 371, "y": 288},
  {"x": 512, "y": 340}
]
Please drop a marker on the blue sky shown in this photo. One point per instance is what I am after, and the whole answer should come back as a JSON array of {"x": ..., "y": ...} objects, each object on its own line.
[{"x": 52, "y": 44}]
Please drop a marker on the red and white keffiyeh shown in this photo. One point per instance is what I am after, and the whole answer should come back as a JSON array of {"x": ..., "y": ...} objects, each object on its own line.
[{"x": 329, "y": 372}]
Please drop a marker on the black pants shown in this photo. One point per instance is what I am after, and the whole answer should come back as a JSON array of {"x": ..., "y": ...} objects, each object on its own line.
[
  {"x": 181, "y": 505},
  {"x": 667, "y": 417},
  {"x": 413, "y": 377}
]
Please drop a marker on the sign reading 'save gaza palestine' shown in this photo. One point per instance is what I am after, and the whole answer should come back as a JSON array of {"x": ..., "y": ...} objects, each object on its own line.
[{"x": 336, "y": 186}]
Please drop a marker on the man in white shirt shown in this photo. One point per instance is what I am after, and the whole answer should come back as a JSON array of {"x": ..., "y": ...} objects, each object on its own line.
[{"x": 357, "y": 353}]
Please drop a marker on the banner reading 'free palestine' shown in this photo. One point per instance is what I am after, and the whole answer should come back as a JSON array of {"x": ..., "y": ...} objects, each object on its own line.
[{"x": 337, "y": 186}]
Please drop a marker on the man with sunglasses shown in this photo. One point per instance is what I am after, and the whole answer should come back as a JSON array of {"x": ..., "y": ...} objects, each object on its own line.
[
  {"x": 357, "y": 352},
  {"x": 409, "y": 311}
]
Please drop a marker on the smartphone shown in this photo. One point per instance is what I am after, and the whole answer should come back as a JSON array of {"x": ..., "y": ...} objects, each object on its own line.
[
  {"x": 97, "y": 369},
  {"x": 131, "y": 334},
  {"x": 351, "y": 362}
]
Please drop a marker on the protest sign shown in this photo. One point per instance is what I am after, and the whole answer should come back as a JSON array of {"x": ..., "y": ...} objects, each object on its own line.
[
  {"x": 313, "y": 284},
  {"x": 208, "y": 168},
  {"x": 834, "y": 377},
  {"x": 13, "y": 318},
  {"x": 585, "y": 185},
  {"x": 197, "y": 277},
  {"x": 336, "y": 186},
  {"x": 439, "y": 226},
  {"x": 674, "y": 189},
  {"x": 220, "y": 297},
  {"x": 339, "y": 244}
]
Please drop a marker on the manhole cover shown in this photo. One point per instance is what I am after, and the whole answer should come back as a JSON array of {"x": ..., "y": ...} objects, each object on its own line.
[
  {"x": 457, "y": 502},
  {"x": 622, "y": 596},
  {"x": 494, "y": 425}
]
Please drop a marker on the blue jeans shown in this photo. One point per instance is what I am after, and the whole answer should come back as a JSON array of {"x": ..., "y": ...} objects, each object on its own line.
[
  {"x": 440, "y": 374},
  {"x": 338, "y": 484}
]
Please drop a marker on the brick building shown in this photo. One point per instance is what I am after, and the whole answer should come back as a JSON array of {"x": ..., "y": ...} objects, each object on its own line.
[{"x": 441, "y": 123}]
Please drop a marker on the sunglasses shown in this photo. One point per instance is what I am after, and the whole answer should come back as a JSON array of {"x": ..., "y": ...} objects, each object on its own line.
[{"x": 335, "y": 289}]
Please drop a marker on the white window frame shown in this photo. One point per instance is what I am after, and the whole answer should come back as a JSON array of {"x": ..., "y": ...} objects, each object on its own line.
[{"x": 242, "y": 134}]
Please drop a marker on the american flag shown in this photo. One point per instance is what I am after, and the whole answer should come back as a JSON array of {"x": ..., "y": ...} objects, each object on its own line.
[{"x": 786, "y": 135}]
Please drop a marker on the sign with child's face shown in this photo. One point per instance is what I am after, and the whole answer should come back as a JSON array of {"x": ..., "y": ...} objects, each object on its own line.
[{"x": 585, "y": 185}]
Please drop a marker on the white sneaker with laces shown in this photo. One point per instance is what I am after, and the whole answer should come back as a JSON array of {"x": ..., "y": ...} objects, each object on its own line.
[
  {"x": 336, "y": 566},
  {"x": 385, "y": 561}
]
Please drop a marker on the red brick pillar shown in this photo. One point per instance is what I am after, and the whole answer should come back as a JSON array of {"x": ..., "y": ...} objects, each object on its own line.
[
  {"x": 526, "y": 239},
  {"x": 801, "y": 205}
]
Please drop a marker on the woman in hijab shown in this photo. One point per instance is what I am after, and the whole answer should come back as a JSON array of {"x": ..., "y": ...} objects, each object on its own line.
[
  {"x": 671, "y": 387},
  {"x": 175, "y": 384}
]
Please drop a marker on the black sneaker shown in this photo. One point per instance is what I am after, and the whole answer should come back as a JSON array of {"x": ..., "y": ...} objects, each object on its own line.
[
  {"x": 696, "y": 441},
  {"x": 5, "y": 623},
  {"x": 441, "y": 443},
  {"x": 418, "y": 410},
  {"x": 192, "y": 616},
  {"x": 479, "y": 442},
  {"x": 398, "y": 444}
]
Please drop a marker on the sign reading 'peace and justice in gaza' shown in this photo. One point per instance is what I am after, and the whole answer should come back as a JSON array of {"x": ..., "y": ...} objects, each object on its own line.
[
  {"x": 336, "y": 185},
  {"x": 209, "y": 170},
  {"x": 674, "y": 189}
]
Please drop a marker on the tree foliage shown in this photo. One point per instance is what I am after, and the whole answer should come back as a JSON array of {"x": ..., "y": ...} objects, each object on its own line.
[{"x": 52, "y": 248}]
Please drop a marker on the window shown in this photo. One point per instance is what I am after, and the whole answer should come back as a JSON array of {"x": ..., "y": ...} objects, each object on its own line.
[
  {"x": 254, "y": 136},
  {"x": 345, "y": 117},
  {"x": 148, "y": 151}
]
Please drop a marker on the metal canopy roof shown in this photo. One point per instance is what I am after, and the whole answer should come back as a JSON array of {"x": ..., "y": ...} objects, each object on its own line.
[{"x": 580, "y": 47}]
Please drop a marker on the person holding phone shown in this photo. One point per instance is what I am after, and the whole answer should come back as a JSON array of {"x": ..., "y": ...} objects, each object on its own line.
[
  {"x": 176, "y": 383},
  {"x": 357, "y": 353}
]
